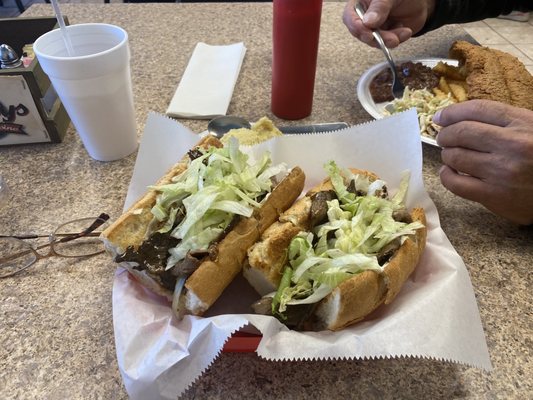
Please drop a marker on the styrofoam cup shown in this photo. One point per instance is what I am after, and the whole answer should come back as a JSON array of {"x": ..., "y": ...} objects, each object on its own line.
[{"x": 94, "y": 85}]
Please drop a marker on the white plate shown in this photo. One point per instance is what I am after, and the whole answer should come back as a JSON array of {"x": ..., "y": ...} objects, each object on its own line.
[{"x": 376, "y": 109}]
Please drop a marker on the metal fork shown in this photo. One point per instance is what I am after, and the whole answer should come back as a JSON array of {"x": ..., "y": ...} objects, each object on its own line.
[{"x": 397, "y": 85}]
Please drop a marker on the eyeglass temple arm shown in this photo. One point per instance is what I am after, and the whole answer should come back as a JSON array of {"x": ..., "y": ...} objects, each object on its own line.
[
  {"x": 67, "y": 236},
  {"x": 86, "y": 232},
  {"x": 28, "y": 236},
  {"x": 32, "y": 236}
]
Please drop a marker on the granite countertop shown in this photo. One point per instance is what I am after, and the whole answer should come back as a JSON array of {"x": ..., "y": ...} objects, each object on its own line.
[{"x": 56, "y": 328}]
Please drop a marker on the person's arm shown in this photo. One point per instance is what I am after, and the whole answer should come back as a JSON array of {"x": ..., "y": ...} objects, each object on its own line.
[
  {"x": 398, "y": 20},
  {"x": 460, "y": 11}
]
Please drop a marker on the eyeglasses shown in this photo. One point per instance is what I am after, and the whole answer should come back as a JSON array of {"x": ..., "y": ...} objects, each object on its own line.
[{"x": 77, "y": 238}]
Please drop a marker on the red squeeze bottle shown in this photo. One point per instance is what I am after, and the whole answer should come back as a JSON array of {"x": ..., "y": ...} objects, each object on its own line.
[{"x": 295, "y": 34}]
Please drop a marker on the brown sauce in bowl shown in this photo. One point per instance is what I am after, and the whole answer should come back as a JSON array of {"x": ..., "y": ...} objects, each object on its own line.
[{"x": 414, "y": 75}]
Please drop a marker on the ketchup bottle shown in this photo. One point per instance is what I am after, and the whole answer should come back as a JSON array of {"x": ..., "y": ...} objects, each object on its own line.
[{"x": 296, "y": 30}]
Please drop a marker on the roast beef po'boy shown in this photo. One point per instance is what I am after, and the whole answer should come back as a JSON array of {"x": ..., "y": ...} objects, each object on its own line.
[
  {"x": 187, "y": 237},
  {"x": 338, "y": 253}
]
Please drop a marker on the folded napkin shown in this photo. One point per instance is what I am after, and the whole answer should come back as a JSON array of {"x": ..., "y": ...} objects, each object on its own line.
[{"x": 206, "y": 87}]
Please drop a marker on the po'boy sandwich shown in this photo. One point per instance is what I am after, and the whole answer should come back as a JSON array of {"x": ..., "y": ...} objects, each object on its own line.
[
  {"x": 338, "y": 253},
  {"x": 187, "y": 237}
]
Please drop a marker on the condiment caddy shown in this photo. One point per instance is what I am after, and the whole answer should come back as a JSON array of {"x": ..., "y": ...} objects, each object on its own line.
[{"x": 30, "y": 111}]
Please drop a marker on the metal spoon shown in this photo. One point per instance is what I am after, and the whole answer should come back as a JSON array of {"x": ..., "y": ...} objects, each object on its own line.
[
  {"x": 219, "y": 126},
  {"x": 397, "y": 85}
]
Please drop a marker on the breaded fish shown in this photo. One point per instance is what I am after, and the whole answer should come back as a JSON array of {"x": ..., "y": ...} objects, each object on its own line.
[{"x": 494, "y": 75}]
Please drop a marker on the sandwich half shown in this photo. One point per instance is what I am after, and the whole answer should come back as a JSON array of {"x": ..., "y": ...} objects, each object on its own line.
[
  {"x": 338, "y": 253},
  {"x": 187, "y": 237}
]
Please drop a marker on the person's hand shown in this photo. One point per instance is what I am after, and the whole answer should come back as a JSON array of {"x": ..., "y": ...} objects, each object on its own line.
[
  {"x": 488, "y": 156},
  {"x": 397, "y": 20}
]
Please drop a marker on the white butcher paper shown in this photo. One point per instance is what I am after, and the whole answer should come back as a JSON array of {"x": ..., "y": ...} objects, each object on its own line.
[{"x": 435, "y": 314}]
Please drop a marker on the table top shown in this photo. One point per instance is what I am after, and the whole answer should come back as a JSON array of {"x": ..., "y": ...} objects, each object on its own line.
[{"x": 56, "y": 328}]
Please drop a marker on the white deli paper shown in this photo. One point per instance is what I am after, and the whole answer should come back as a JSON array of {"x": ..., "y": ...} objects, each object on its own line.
[
  {"x": 435, "y": 313},
  {"x": 207, "y": 84}
]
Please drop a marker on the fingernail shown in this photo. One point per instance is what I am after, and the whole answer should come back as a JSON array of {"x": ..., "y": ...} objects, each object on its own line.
[
  {"x": 441, "y": 169},
  {"x": 437, "y": 116},
  {"x": 370, "y": 17}
]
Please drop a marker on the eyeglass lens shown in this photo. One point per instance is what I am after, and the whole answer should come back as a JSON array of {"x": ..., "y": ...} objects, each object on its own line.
[{"x": 79, "y": 238}]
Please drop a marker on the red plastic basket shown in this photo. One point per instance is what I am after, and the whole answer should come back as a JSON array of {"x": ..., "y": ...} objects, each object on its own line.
[{"x": 242, "y": 342}]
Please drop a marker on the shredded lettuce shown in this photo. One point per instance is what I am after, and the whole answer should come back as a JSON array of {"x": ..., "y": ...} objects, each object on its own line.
[
  {"x": 399, "y": 198},
  {"x": 358, "y": 227},
  {"x": 200, "y": 203}
]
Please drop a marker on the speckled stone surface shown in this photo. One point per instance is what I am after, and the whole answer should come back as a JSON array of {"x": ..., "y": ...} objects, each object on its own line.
[{"x": 56, "y": 328}]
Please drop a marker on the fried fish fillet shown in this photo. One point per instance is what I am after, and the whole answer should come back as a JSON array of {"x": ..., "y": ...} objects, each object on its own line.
[{"x": 494, "y": 75}]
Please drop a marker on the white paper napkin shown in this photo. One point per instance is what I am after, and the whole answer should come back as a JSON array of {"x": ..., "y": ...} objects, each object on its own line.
[
  {"x": 206, "y": 87},
  {"x": 435, "y": 314}
]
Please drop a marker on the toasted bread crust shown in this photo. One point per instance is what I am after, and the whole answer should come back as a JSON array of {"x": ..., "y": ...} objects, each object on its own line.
[
  {"x": 207, "y": 283},
  {"x": 357, "y": 297},
  {"x": 264, "y": 265},
  {"x": 265, "y": 262},
  {"x": 212, "y": 276},
  {"x": 351, "y": 301},
  {"x": 130, "y": 228},
  {"x": 406, "y": 258}
]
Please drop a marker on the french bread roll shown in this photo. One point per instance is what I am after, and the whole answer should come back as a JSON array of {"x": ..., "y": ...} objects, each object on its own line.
[
  {"x": 207, "y": 283},
  {"x": 352, "y": 299},
  {"x": 357, "y": 297},
  {"x": 218, "y": 266}
]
